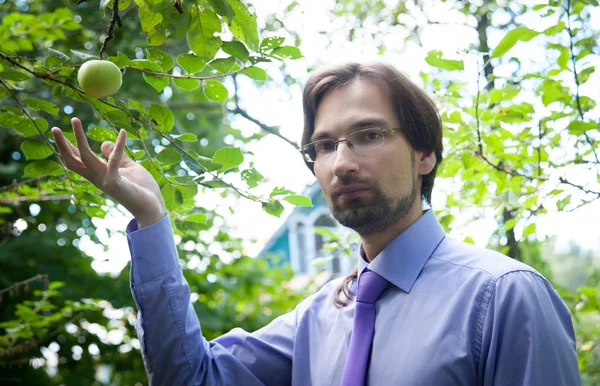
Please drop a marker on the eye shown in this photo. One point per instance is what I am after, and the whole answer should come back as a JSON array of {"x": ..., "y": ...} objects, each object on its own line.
[
  {"x": 372, "y": 135},
  {"x": 368, "y": 135},
  {"x": 324, "y": 146}
]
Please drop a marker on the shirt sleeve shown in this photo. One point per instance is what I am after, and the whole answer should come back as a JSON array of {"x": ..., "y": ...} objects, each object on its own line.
[
  {"x": 528, "y": 336},
  {"x": 173, "y": 348}
]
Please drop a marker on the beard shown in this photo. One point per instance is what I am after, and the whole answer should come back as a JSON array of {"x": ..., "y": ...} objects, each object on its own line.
[{"x": 377, "y": 214}]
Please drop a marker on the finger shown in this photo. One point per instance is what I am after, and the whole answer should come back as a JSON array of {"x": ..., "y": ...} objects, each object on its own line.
[
  {"x": 69, "y": 153},
  {"x": 85, "y": 153},
  {"x": 114, "y": 160}
]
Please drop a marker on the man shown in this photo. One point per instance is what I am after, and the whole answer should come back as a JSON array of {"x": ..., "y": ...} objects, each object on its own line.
[{"x": 418, "y": 309}]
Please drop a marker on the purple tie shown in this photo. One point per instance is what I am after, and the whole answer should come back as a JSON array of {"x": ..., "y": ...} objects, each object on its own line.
[{"x": 370, "y": 286}]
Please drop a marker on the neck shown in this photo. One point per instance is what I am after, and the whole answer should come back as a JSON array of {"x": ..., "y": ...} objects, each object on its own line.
[{"x": 374, "y": 243}]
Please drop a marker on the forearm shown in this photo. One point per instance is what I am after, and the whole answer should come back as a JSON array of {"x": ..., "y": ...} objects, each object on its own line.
[{"x": 174, "y": 350}]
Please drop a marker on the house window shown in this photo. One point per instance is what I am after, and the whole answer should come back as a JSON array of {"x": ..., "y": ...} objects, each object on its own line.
[
  {"x": 326, "y": 221},
  {"x": 301, "y": 234}
]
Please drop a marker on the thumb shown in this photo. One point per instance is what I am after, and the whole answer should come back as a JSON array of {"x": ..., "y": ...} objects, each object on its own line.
[{"x": 107, "y": 148}]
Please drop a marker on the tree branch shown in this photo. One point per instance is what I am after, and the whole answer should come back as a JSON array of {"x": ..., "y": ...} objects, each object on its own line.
[{"x": 111, "y": 27}]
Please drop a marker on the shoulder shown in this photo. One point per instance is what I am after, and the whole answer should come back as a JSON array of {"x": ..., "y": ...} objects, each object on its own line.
[{"x": 494, "y": 265}]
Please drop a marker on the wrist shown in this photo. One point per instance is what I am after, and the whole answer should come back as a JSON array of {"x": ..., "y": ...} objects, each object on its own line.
[{"x": 149, "y": 219}]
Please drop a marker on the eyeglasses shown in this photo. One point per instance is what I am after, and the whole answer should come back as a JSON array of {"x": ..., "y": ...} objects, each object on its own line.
[{"x": 359, "y": 142}]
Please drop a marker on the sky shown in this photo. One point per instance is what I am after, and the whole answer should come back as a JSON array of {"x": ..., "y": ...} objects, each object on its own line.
[{"x": 283, "y": 166}]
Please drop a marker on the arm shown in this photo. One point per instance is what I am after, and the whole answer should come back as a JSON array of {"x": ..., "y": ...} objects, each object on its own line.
[
  {"x": 174, "y": 351},
  {"x": 173, "y": 348},
  {"x": 528, "y": 336}
]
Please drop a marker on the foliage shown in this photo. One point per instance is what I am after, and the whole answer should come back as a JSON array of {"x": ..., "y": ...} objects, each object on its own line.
[
  {"x": 521, "y": 140},
  {"x": 180, "y": 62}
]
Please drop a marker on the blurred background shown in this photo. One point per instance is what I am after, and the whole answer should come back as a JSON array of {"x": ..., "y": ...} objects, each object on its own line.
[{"x": 515, "y": 83}]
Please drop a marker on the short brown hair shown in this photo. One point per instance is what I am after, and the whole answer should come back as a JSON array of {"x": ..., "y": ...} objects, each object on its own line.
[{"x": 419, "y": 118}]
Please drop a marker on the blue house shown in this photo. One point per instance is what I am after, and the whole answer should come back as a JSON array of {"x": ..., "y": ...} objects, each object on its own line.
[{"x": 296, "y": 242}]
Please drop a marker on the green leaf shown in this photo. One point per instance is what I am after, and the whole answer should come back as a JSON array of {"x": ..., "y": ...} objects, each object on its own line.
[
  {"x": 139, "y": 106},
  {"x": 14, "y": 75},
  {"x": 223, "y": 8},
  {"x": 215, "y": 184},
  {"x": 35, "y": 149},
  {"x": 198, "y": 218},
  {"x": 511, "y": 38},
  {"x": 163, "y": 117},
  {"x": 158, "y": 82},
  {"x": 555, "y": 29},
  {"x": 578, "y": 127},
  {"x": 164, "y": 60},
  {"x": 42, "y": 105},
  {"x": 270, "y": 43},
  {"x": 191, "y": 63},
  {"x": 95, "y": 211},
  {"x": 186, "y": 84},
  {"x": 101, "y": 134},
  {"x": 529, "y": 229},
  {"x": 236, "y": 49},
  {"x": 83, "y": 56},
  {"x": 434, "y": 58},
  {"x": 504, "y": 94},
  {"x": 255, "y": 73},
  {"x": 298, "y": 200},
  {"x": 469, "y": 240},
  {"x": 119, "y": 118},
  {"x": 149, "y": 20},
  {"x": 277, "y": 191},
  {"x": 193, "y": 165},
  {"x": 120, "y": 60},
  {"x": 138, "y": 154},
  {"x": 273, "y": 208},
  {"x": 57, "y": 54},
  {"x": 42, "y": 168},
  {"x": 223, "y": 65},
  {"x": 244, "y": 26},
  {"x": 187, "y": 137},
  {"x": 215, "y": 90},
  {"x": 229, "y": 157},
  {"x": 200, "y": 36},
  {"x": 286, "y": 52},
  {"x": 108, "y": 4},
  {"x": 208, "y": 164},
  {"x": 252, "y": 177},
  {"x": 169, "y": 156},
  {"x": 172, "y": 196}
]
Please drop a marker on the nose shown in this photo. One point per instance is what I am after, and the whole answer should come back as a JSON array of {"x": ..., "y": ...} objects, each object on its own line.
[{"x": 345, "y": 160}]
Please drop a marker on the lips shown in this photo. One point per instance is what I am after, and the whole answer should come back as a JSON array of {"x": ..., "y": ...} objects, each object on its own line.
[{"x": 350, "y": 191}]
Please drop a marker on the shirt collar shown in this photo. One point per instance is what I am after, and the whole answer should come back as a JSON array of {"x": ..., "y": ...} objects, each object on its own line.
[{"x": 401, "y": 261}]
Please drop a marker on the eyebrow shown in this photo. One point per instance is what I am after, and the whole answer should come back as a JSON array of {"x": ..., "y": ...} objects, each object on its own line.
[{"x": 360, "y": 124}]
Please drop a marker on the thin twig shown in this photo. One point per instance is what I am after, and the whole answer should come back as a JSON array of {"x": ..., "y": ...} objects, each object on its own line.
[
  {"x": 62, "y": 164},
  {"x": 576, "y": 77},
  {"x": 24, "y": 282},
  {"x": 587, "y": 191},
  {"x": 60, "y": 197}
]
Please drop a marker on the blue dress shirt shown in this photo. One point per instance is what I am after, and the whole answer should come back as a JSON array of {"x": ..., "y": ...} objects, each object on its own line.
[{"x": 453, "y": 314}]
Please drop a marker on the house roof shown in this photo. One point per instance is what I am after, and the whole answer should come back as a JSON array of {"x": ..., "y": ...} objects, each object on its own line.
[{"x": 309, "y": 191}]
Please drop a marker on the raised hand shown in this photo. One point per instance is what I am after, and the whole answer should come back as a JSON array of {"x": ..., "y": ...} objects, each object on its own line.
[{"x": 121, "y": 178}]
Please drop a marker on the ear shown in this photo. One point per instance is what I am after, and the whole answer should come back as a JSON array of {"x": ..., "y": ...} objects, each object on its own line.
[{"x": 425, "y": 162}]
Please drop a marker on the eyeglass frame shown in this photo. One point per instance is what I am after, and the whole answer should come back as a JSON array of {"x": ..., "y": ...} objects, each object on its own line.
[{"x": 390, "y": 130}]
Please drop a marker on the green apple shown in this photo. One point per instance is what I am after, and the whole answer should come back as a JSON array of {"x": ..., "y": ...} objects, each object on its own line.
[{"x": 99, "y": 78}]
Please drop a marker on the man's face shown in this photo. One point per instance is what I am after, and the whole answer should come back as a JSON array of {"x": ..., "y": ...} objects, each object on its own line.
[{"x": 386, "y": 176}]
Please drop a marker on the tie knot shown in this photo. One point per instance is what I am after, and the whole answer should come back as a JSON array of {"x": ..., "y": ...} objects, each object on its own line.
[{"x": 370, "y": 286}]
